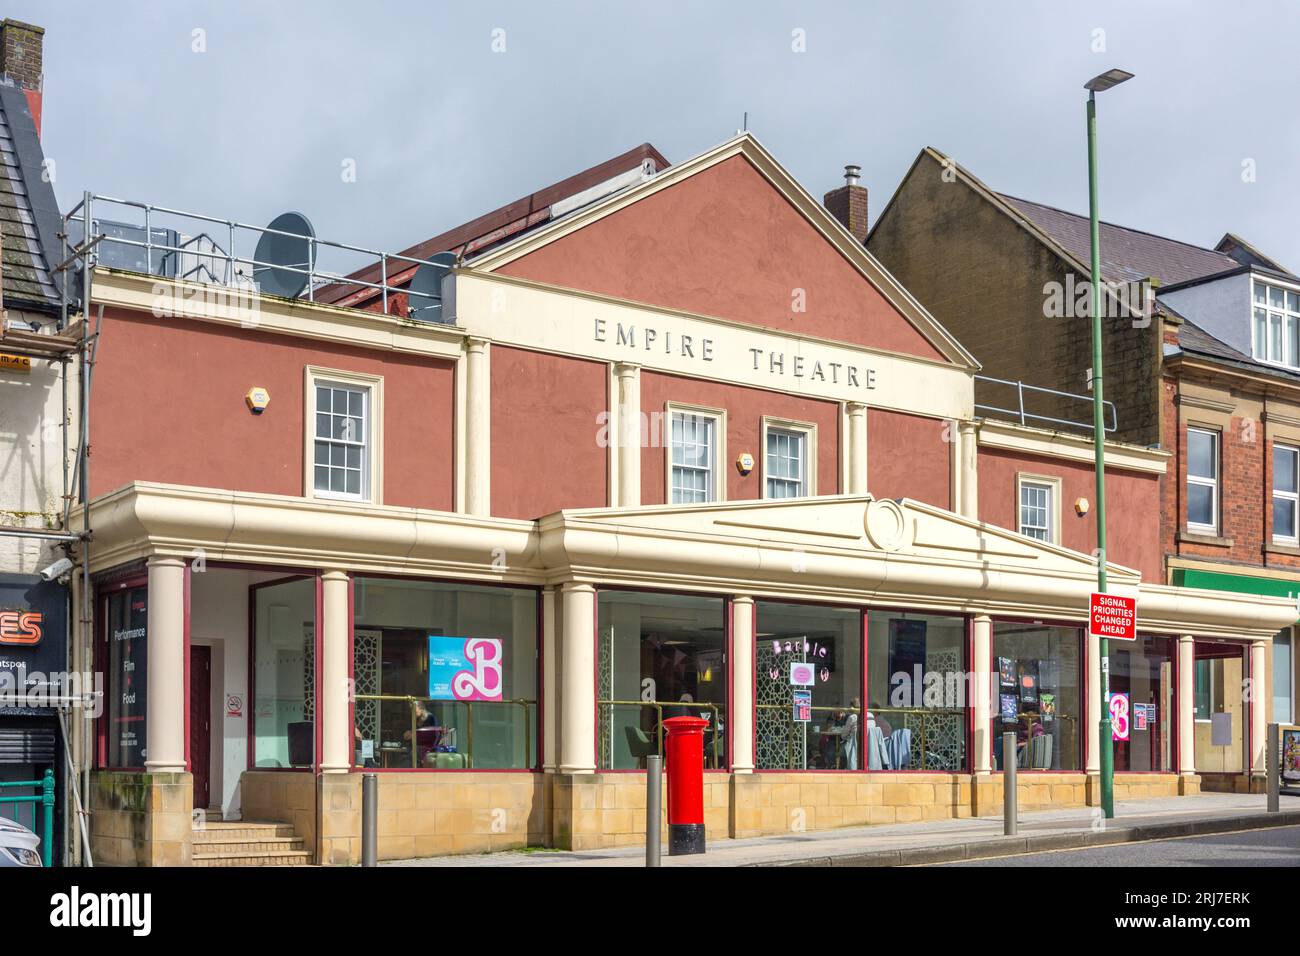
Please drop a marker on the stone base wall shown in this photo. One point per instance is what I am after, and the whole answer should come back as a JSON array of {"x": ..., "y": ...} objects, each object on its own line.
[
  {"x": 140, "y": 819},
  {"x": 281, "y": 796},
  {"x": 144, "y": 820}
]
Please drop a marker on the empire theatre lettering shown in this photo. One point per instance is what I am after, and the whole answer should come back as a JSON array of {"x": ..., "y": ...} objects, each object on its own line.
[{"x": 701, "y": 349}]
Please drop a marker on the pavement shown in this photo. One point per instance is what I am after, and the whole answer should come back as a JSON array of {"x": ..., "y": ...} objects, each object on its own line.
[{"x": 942, "y": 841}]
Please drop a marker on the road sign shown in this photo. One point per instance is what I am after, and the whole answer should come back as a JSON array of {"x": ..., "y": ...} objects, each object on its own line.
[{"x": 1112, "y": 616}]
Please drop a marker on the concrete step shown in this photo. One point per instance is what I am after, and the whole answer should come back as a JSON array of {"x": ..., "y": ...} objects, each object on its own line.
[
  {"x": 244, "y": 847},
  {"x": 267, "y": 858},
  {"x": 242, "y": 832}
]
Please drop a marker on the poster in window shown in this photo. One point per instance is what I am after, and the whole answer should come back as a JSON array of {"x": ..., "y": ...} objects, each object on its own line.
[
  {"x": 1049, "y": 675},
  {"x": 1029, "y": 681},
  {"x": 1291, "y": 755},
  {"x": 1047, "y": 707},
  {"x": 906, "y": 646},
  {"x": 465, "y": 668},
  {"x": 128, "y": 667},
  {"x": 1006, "y": 672},
  {"x": 1010, "y": 708}
]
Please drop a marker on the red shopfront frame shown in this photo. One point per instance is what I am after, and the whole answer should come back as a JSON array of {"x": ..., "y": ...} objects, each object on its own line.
[
  {"x": 727, "y": 636},
  {"x": 865, "y": 614},
  {"x": 250, "y": 730},
  {"x": 539, "y": 657}
]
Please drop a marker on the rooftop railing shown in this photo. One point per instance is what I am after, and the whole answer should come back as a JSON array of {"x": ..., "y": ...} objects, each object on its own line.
[
  {"x": 1021, "y": 413},
  {"x": 172, "y": 243}
]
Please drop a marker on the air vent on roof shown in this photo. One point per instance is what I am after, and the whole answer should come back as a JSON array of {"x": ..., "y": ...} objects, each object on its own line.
[{"x": 644, "y": 171}]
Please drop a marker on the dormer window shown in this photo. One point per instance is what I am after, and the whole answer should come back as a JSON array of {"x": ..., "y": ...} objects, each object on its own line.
[{"x": 1276, "y": 324}]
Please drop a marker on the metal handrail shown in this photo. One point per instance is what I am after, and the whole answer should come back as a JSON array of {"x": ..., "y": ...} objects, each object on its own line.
[
  {"x": 316, "y": 278},
  {"x": 410, "y": 701},
  {"x": 659, "y": 706},
  {"x": 1024, "y": 417},
  {"x": 790, "y": 738}
]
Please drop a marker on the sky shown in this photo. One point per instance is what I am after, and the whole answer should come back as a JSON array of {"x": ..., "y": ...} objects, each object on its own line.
[{"x": 387, "y": 122}]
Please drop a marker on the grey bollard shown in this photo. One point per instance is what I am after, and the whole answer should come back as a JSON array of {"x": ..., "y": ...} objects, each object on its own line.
[
  {"x": 1009, "y": 784},
  {"x": 369, "y": 819},
  {"x": 653, "y": 784},
  {"x": 1271, "y": 759}
]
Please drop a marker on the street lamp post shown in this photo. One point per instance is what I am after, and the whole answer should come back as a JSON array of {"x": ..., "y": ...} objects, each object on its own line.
[{"x": 1094, "y": 86}]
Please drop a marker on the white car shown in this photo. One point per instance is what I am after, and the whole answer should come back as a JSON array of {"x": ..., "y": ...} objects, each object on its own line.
[{"x": 18, "y": 845}]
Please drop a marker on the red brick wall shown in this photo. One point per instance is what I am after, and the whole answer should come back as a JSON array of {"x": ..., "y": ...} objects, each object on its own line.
[{"x": 1245, "y": 491}]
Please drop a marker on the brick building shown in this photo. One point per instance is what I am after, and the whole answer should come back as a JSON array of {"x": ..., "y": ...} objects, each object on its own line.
[{"x": 1202, "y": 359}]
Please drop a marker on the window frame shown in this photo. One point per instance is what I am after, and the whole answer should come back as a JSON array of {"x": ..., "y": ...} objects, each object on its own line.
[
  {"x": 1053, "y": 485},
  {"x": 718, "y": 480},
  {"x": 1290, "y": 324},
  {"x": 808, "y": 430},
  {"x": 372, "y": 473},
  {"x": 1291, "y": 496},
  {"x": 1216, "y": 438}
]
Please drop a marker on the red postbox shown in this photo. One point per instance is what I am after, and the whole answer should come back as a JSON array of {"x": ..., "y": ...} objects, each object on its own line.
[{"x": 685, "y": 747}]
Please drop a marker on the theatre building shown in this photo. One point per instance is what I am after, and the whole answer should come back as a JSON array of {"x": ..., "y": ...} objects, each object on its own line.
[{"x": 669, "y": 430}]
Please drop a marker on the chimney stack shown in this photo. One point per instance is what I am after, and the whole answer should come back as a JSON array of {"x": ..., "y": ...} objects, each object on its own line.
[
  {"x": 848, "y": 204},
  {"x": 20, "y": 53},
  {"x": 21, "y": 56}
]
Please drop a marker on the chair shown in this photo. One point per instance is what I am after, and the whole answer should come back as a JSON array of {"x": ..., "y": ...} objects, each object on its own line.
[{"x": 639, "y": 744}]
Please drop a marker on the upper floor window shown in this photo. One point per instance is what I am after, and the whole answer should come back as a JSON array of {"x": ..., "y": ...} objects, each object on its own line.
[
  {"x": 693, "y": 477},
  {"x": 1276, "y": 324},
  {"x": 1038, "y": 503},
  {"x": 788, "y": 467},
  {"x": 1202, "y": 480},
  {"x": 343, "y": 435},
  {"x": 1286, "y": 492}
]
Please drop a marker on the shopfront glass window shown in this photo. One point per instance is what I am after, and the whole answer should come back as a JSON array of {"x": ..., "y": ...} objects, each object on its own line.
[
  {"x": 1283, "y": 676},
  {"x": 1142, "y": 703},
  {"x": 284, "y": 674},
  {"x": 918, "y": 690},
  {"x": 1039, "y": 695},
  {"x": 1220, "y": 707},
  {"x": 445, "y": 675},
  {"x": 126, "y": 620},
  {"x": 659, "y": 656},
  {"x": 808, "y": 711}
]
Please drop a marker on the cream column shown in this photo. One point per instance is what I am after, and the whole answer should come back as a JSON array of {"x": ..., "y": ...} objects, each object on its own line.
[
  {"x": 1186, "y": 705},
  {"x": 740, "y": 713},
  {"x": 857, "y": 448},
  {"x": 1092, "y": 710},
  {"x": 478, "y": 425},
  {"x": 550, "y": 688},
  {"x": 628, "y": 418},
  {"x": 1259, "y": 693},
  {"x": 165, "y": 680},
  {"x": 981, "y": 651},
  {"x": 969, "y": 439},
  {"x": 336, "y": 748},
  {"x": 578, "y": 707}
]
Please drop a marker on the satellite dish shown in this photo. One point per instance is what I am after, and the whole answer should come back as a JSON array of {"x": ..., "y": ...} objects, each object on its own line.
[
  {"x": 424, "y": 298},
  {"x": 275, "y": 252}
]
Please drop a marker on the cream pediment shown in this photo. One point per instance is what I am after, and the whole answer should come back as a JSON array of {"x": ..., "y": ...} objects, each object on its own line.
[{"x": 874, "y": 529}]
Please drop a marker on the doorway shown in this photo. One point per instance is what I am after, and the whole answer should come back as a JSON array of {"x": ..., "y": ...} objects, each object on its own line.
[{"x": 201, "y": 723}]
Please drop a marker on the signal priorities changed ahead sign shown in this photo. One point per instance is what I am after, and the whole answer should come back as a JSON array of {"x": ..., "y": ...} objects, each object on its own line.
[{"x": 1112, "y": 616}]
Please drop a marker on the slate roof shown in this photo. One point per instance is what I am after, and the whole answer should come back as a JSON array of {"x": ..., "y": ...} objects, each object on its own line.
[
  {"x": 29, "y": 213},
  {"x": 1127, "y": 254}
]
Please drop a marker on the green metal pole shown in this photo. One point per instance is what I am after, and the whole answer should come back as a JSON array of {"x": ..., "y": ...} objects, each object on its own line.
[
  {"x": 1099, "y": 450},
  {"x": 47, "y": 800}
]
